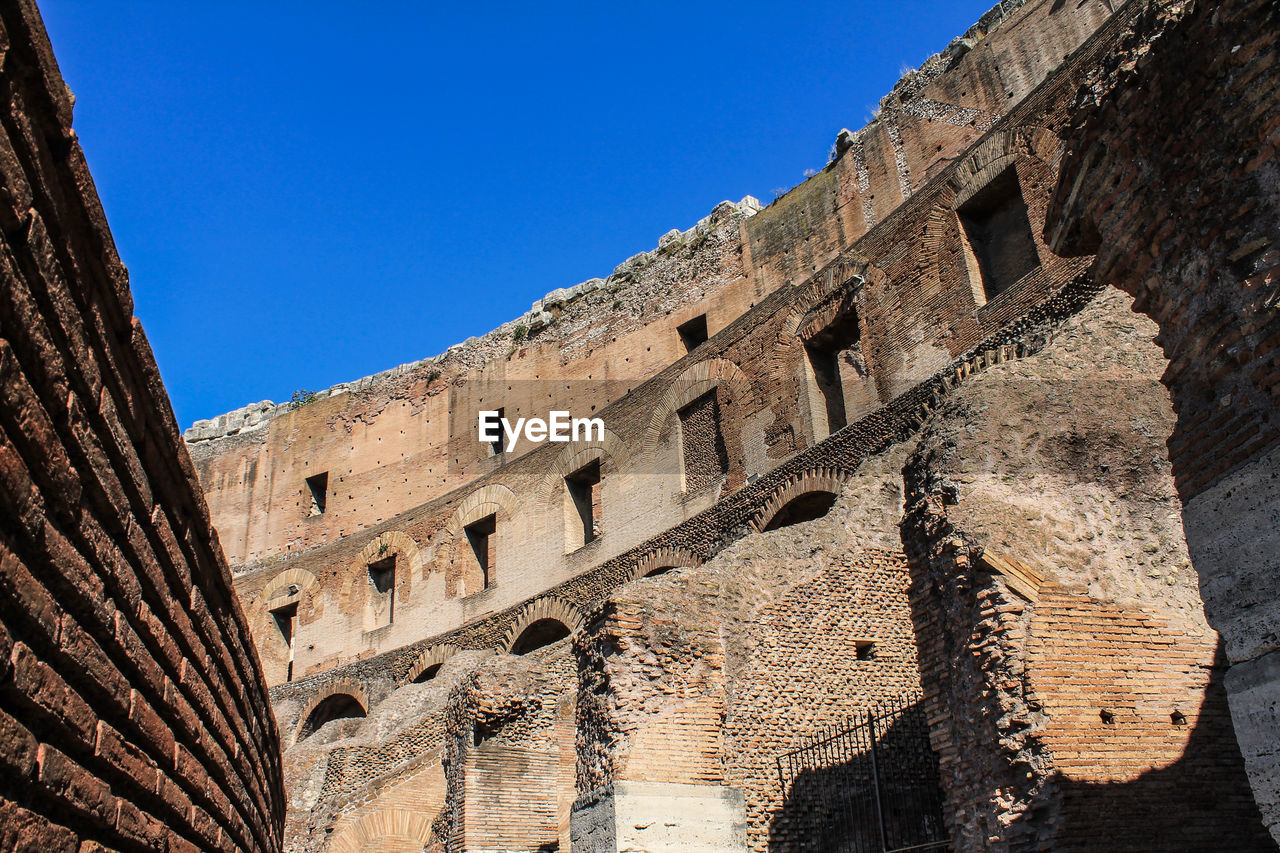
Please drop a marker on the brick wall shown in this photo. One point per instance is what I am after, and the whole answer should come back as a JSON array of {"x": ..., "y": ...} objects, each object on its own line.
[
  {"x": 133, "y": 710},
  {"x": 1053, "y": 684},
  {"x": 1181, "y": 206}
]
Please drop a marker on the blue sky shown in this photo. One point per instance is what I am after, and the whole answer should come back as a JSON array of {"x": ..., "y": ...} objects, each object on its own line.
[{"x": 310, "y": 192}]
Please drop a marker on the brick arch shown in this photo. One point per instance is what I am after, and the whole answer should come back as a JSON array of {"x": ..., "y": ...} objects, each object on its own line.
[
  {"x": 428, "y": 658},
  {"x": 940, "y": 242},
  {"x": 828, "y": 480},
  {"x": 309, "y": 605},
  {"x": 386, "y": 824},
  {"x": 301, "y": 578},
  {"x": 667, "y": 557},
  {"x": 820, "y": 300},
  {"x": 695, "y": 381},
  {"x": 492, "y": 499},
  {"x": 579, "y": 453},
  {"x": 392, "y": 543},
  {"x": 340, "y": 687},
  {"x": 549, "y": 607},
  {"x": 996, "y": 153}
]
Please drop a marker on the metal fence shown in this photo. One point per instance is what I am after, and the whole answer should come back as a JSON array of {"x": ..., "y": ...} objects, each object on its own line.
[{"x": 869, "y": 786}]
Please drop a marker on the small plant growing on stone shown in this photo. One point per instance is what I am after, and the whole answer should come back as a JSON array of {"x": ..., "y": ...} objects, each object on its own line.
[
  {"x": 433, "y": 376},
  {"x": 301, "y": 397},
  {"x": 617, "y": 303},
  {"x": 519, "y": 333}
]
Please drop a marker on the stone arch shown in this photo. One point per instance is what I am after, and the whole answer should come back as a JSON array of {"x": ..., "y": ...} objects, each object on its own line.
[
  {"x": 662, "y": 559},
  {"x": 695, "y": 381},
  {"x": 833, "y": 289},
  {"x": 610, "y": 449},
  {"x": 408, "y": 563},
  {"x": 492, "y": 499},
  {"x": 397, "y": 825},
  {"x": 301, "y": 578},
  {"x": 430, "y": 657},
  {"x": 334, "y": 694},
  {"x": 543, "y": 609},
  {"x": 825, "y": 481}
]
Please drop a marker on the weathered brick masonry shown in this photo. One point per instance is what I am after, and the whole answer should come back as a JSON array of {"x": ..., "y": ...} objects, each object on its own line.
[
  {"x": 133, "y": 712},
  {"x": 894, "y": 342},
  {"x": 1182, "y": 207}
]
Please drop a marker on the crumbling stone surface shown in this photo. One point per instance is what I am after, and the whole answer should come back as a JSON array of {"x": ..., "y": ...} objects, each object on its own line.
[
  {"x": 1058, "y": 461},
  {"x": 705, "y": 675}
]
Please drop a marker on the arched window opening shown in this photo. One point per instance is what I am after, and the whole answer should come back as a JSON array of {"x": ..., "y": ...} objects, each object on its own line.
[
  {"x": 660, "y": 570},
  {"x": 835, "y": 361},
  {"x": 544, "y": 632},
  {"x": 428, "y": 673},
  {"x": 803, "y": 508},
  {"x": 583, "y": 506},
  {"x": 285, "y": 618},
  {"x": 336, "y": 707}
]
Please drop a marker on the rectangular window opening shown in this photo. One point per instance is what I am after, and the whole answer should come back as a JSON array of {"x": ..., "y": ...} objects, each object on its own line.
[
  {"x": 284, "y": 618},
  {"x": 999, "y": 246},
  {"x": 693, "y": 333},
  {"x": 706, "y": 459},
  {"x": 583, "y": 490},
  {"x": 318, "y": 487},
  {"x": 481, "y": 535},
  {"x": 825, "y": 351},
  {"x": 382, "y": 577},
  {"x": 866, "y": 649}
]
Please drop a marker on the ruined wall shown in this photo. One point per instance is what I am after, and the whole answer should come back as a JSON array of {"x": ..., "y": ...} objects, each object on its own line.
[
  {"x": 932, "y": 116},
  {"x": 1042, "y": 523},
  {"x": 1077, "y": 686},
  {"x": 133, "y": 713},
  {"x": 906, "y": 295},
  {"x": 697, "y": 679},
  {"x": 399, "y": 439},
  {"x": 1182, "y": 210}
]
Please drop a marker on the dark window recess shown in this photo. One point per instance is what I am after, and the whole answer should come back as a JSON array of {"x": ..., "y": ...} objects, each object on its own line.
[
  {"x": 496, "y": 446},
  {"x": 284, "y": 618},
  {"x": 706, "y": 459},
  {"x": 866, "y": 649},
  {"x": 583, "y": 487},
  {"x": 824, "y": 350},
  {"x": 693, "y": 333},
  {"x": 482, "y": 539},
  {"x": 998, "y": 234},
  {"x": 336, "y": 707},
  {"x": 318, "y": 487},
  {"x": 382, "y": 576}
]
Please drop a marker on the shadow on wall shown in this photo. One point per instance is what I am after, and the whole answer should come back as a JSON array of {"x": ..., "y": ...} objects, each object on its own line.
[
  {"x": 1183, "y": 807},
  {"x": 836, "y": 787},
  {"x": 1201, "y": 802}
]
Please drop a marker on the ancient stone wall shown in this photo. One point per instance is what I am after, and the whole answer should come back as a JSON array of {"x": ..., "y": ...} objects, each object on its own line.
[
  {"x": 404, "y": 437},
  {"x": 897, "y": 328},
  {"x": 1182, "y": 210},
  {"x": 133, "y": 712},
  {"x": 1063, "y": 647},
  {"x": 911, "y": 313}
]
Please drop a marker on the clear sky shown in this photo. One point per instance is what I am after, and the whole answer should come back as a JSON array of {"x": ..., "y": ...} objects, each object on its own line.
[{"x": 310, "y": 192}]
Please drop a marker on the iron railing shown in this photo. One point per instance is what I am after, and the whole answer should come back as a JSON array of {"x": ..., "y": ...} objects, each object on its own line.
[{"x": 870, "y": 785}]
